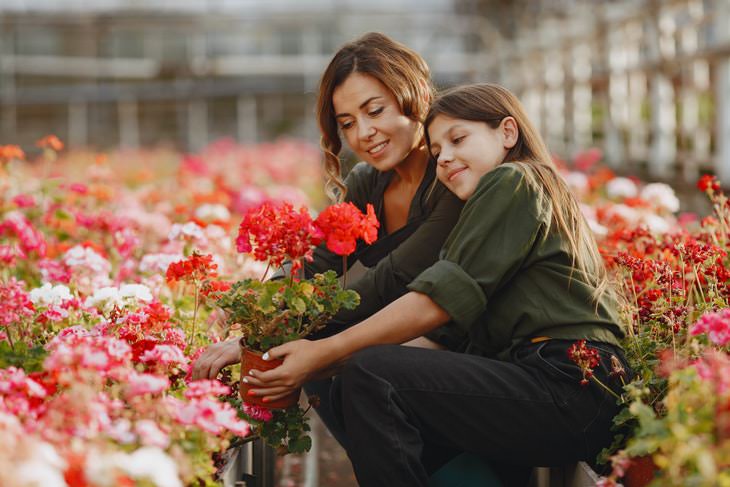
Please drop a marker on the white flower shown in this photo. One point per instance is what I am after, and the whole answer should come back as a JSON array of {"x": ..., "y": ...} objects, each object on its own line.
[
  {"x": 188, "y": 231},
  {"x": 661, "y": 196},
  {"x": 158, "y": 262},
  {"x": 626, "y": 213},
  {"x": 105, "y": 298},
  {"x": 655, "y": 223},
  {"x": 49, "y": 294},
  {"x": 153, "y": 464},
  {"x": 577, "y": 182},
  {"x": 209, "y": 212},
  {"x": 136, "y": 291},
  {"x": 86, "y": 257},
  {"x": 621, "y": 188},
  {"x": 150, "y": 434},
  {"x": 45, "y": 469}
]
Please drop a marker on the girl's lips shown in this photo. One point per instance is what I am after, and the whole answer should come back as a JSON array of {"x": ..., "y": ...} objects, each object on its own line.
[{"x": 455, "y": 173}]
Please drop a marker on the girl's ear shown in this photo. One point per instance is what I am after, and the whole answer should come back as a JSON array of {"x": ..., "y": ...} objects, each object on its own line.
[{"x": 510, "y": 132}]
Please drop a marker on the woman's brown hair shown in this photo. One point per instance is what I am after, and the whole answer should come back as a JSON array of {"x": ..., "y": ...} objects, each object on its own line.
[
  {"x": 490, "y": 103},
  {"x": 400, "y": 69}
]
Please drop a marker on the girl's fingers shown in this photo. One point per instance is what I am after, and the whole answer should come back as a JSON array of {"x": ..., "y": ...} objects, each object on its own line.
[{"x": 263, "y": 379}]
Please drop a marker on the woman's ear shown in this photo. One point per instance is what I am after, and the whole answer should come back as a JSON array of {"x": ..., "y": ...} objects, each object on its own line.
[{"x": 510, "y": 132}]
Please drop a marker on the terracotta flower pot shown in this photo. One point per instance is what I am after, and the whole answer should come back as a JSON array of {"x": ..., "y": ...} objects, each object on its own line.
[
  {"x": 251, "y": 359},
  {"x": 640, "y": 473}
]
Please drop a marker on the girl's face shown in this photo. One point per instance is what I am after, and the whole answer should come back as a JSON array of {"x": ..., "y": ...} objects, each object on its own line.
[
  {"x": 466, "y": 150},
  {"x": 372, "y": 123}
]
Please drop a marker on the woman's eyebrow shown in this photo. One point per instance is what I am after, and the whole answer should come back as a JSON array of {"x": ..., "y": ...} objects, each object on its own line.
[{"x": 363, "y": 104}]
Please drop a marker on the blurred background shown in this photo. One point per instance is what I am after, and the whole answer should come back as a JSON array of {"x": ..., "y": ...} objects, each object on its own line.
[{"x": 647, "y": 81}]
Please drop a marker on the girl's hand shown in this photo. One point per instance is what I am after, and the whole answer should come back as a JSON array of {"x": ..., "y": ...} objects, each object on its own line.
[
  {"x": 216, "y": 357},
  {"x": 302, "y": 360}
]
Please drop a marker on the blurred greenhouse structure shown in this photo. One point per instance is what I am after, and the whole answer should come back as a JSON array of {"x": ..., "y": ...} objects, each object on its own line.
[{"x": 646, "y": 80}]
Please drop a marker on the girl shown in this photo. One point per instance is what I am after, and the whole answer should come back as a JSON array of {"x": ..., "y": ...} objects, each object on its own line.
[
  {"x": 522, "y": 276},
  {"x": 375, "y": 92}
]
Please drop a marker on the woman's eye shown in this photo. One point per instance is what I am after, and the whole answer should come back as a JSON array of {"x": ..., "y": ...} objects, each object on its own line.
[
  {"x": 345, "y": 125},
  {"x": 376, "y": 112}
]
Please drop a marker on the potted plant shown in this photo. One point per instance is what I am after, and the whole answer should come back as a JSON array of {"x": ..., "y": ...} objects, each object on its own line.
[{"x": 271, "y": 312}]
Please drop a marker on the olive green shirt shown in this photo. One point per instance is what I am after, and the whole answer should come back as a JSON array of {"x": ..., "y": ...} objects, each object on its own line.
[
  {"x": 503, "y": 277},
  {"x": 395, "y": 259}
]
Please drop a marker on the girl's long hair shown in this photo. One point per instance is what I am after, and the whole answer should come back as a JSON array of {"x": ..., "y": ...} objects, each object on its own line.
[
  {"x": 400, "y": 69},
  {"x": 490, "y": 103}
]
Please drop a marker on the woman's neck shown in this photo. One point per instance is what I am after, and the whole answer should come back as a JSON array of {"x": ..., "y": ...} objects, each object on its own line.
[{"x": 411, "y": 170}]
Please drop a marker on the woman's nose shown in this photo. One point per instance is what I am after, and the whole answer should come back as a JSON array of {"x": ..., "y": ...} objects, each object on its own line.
[{"x": 366, "y": 130}]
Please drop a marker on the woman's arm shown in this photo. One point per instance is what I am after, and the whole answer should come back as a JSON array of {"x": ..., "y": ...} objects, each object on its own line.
[{"x": 406, "y": 318}]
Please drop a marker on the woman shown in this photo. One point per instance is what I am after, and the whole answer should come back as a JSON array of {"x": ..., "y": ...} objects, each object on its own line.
[
  {"x": 522, "y": 276},
  {"x": 374, "y": 92}
]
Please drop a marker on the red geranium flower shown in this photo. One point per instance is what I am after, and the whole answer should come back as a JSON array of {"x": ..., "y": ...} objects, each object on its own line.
[
  {"x": 344, "y": 223},
  {"x": 193, "y": 269},
  {"x": 584, "y": 357},
  {"x": 708, "y": 182},
  {"x": 276, "y": 232}
]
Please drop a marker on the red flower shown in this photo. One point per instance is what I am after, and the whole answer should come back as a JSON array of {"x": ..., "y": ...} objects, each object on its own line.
[
  {"x": 707, "y": 183},
  {"x": 50, "y": 142},
  {"x": 10, "y": 152},
  {"x": 584, "y": 357},
  {"x": 344, "y": 223},
  {"x": 276, "y": 232},
  {"x": 193, "y": 269}
]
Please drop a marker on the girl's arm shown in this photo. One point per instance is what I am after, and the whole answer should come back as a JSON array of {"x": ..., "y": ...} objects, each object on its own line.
[{"x": 408, "y": 317}]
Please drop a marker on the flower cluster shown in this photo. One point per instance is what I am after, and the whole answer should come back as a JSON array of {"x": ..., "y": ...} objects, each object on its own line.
[
  {"x": 584, "y": 357},
  {"x": 344, "y": 224},
  {"x": 194, "y": 269},
  {"x": 276, "y": 232}
]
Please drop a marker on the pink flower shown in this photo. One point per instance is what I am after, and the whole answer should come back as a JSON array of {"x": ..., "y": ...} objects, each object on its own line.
[
  {"x": 24, "y": 201},
  {"x": 30, "y": 239},
  {"x": 206, "y": 388},
  {"x": 257, "y": 412},
  {"x": 16, "y": 303},
  {"x": 139, "y": 384},
  {"x": 715, "y": 325},
  {"x": 164, "y": 355},
  {"x": 150, "y": 434}
]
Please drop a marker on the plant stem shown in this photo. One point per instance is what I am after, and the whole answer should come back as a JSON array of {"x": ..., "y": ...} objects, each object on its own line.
[
  {"x": 344, "y": 271},
  {"x": 195, "y": 314},
  {"x": 610, "y": 391}
]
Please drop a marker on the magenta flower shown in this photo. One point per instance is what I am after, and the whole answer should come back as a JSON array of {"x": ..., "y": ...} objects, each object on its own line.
[
  {"x": 716, "y": 325},
  {"x": 257, "y": 412}
]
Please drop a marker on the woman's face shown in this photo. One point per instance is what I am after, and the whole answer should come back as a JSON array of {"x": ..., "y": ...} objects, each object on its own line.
[
  {"x": 372, "y": 123},
  {"x": 466, "y": 150}
]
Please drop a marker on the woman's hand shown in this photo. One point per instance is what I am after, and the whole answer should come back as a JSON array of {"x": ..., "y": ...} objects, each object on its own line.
[
  {"x": 216, "y": 357},
  {"x": 303, "y": 359}
]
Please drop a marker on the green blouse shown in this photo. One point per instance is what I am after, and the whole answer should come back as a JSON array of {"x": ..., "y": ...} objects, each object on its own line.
[
  {"x": 504, "y": 278},
  {"x": 395, "y": 259}
]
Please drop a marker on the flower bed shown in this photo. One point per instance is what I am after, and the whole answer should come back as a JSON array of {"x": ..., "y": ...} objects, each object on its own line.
[
  {"x": 110, "y": 267},
  {"x": 108, "y": 264}
]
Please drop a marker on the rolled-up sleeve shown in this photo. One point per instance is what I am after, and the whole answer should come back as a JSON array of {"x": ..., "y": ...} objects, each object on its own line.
[
  {"x": 454, "y": 290},
  {"x": 489, "y": 244}
]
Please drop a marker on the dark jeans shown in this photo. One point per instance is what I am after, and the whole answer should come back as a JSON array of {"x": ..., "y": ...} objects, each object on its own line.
[{"x": 405, "y": 411}]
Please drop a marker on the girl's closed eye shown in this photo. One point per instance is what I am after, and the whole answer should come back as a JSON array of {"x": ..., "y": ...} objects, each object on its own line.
[{"x": 457, "y": 140}]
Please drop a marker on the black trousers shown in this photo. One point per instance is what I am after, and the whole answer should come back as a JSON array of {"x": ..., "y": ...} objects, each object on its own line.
[{"x": 404, "y": 411}]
